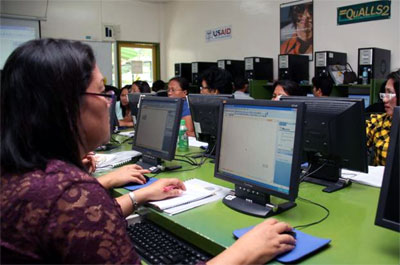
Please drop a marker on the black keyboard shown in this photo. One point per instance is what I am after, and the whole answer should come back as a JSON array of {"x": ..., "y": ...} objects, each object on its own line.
[{"x": 158, "y": 246}]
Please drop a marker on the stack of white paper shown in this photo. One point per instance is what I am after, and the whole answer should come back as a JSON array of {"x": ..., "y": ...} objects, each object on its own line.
[
  {"x": 372, "y": 178},
  {"x": 128, "y": 134},
  {"x": 195, "y": 143}
]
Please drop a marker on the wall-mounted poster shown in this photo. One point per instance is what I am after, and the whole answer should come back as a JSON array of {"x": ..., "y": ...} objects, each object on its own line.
[{"x": 297, "y": 28}]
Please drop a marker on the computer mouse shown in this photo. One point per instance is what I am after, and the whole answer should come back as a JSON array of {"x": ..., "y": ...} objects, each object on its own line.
[{"x": 291, "y": 233}]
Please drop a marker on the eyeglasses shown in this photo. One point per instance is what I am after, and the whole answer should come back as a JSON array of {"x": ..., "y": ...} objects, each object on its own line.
[
  {"x": 204, "y": 87},
  {"x": 109, "y": 95},
  {"x": 389, "y": 96}
]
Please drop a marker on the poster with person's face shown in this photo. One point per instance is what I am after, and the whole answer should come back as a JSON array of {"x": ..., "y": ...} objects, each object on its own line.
[{"x": 296, "y": 27}]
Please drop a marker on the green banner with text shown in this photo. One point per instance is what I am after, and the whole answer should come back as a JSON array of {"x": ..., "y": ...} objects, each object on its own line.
[{"x": 363, "y": 12}]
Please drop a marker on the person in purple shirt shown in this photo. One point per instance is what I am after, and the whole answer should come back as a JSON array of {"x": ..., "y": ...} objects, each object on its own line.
[{"x": 53, "y": 112}]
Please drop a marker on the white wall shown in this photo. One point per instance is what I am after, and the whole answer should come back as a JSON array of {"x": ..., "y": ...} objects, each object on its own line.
[
  {"x": 74, "y": 19},
  {"x": 255, "y": 31}
]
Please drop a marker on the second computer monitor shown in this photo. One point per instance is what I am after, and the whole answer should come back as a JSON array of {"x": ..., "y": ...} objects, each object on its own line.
[
  {"x": 258, "y": 149},
  {"x": 334, "y": 137},
  {"x": 387, "y": 214},
  {"x": 205, "y": 115},
  {"x": 134, "y": 101},
  {"x": 157, "y": 129}
]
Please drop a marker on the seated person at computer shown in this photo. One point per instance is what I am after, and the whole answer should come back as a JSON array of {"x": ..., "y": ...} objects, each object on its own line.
[
  {"x": 286, "y": 88},
  {"x": 378, "y": 125},
  {"x": 140, "y": 87},
  {"x": 122, "y": 109},
  {"x": 178, "y": 87},
  {"x": 322, "y": 86},
  {"x": 52, "y": 211},
  {"x": 159, "y": 88},
  {"x": 241, "y": 87},
  {"x": 216, "y": 81}
]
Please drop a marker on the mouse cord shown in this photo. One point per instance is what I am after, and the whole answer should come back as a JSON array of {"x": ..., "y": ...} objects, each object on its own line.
[{"x": 316, "y": 222}]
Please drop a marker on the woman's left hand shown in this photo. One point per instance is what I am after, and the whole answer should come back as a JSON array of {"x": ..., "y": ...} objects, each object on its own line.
[{"x": 161, "y": 189}]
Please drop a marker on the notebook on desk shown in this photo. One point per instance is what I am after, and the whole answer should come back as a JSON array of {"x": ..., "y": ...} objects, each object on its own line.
[
  {"x": 305, "y": 245},
  {"x": 108, "y": 161},
  {"x": 194, "y": 192}
]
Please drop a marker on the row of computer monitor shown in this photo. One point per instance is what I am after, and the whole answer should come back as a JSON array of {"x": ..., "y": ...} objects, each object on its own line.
[{"x": 260, "y": 145}]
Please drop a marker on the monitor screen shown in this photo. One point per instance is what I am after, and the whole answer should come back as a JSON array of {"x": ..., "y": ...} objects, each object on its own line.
[
  {"x": 259, "y": 147},
  {"x": 387, "y": 214},
  {"x": 204, "y": 110},
  {"x": 365, "y": 97},
  {"x": 157, "y": 128},
  {"x": 334, "y": 137}
]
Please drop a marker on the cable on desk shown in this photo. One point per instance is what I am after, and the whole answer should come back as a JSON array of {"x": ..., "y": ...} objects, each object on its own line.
[
  {"x": 126, "y": 140},
  {"x": 316, "y": 222},
  {"x": 308, "y": 174},
  {"x": 188, "y": 158},
  {"x": 186, "y": 161}
]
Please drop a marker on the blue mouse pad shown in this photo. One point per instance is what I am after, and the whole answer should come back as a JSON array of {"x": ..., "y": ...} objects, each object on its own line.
[
  {"x": 133, "y": 186},
  {"x": 305, "y": 245}
]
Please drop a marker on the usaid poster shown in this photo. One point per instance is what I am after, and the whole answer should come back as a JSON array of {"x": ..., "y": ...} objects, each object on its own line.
[{"x": 220, "y": 33}]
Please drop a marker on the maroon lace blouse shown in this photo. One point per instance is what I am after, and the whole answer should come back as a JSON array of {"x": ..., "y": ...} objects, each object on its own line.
[{"x": 61, "y": 215}]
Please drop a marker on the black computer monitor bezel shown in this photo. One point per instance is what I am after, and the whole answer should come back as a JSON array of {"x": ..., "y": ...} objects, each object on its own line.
[
  {"x": 175, "y": 130},
  {"x": 134, "y": 101},
  {"x": 194, "y": 113},
  {"x": 296, "y": 160},
  {"x": 363, "y": 138},
  {"x": 388, "y": 174},
  {"x": 113, "y": 122}
]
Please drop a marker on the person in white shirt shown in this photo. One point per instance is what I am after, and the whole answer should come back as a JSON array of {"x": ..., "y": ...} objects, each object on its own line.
[{"x": 241, "y": 87}]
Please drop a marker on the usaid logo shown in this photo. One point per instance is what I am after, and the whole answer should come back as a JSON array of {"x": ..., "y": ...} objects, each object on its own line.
[{"x": 224, "y": 32}]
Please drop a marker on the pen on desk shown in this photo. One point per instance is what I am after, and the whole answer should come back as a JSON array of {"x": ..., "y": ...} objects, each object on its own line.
[{"x": 168, "y": 188}]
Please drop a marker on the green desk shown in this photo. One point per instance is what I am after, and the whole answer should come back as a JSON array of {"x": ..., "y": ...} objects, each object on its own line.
[{"x": 355, "y": 238}]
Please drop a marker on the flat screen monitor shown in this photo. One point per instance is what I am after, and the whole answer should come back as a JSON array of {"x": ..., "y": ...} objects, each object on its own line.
[
  {"x": 334, "y": 137},
  {"x": 387, "y": 214},
  {"x": 157, "y": 129},
  {"x": 258, "y": 149},
  {"x": 365, "y": 97},
  {"x": 205, "y": 115}
]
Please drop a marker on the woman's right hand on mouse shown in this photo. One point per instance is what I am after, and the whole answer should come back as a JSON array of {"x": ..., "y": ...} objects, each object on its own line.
[
  {"x": 258, "y": 246},
  {"x": 123, "y": 175}
]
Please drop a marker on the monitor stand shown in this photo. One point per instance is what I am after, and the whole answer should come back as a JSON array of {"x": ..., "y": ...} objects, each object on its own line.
[
  {"x": 154, "y": 164},
  {"x": 254, "y": 203},
  {"x": 328, "y": 176}
]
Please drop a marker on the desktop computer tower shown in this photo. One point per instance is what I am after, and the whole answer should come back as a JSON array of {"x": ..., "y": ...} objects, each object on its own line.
[
  {"x": 258, "y": 68},
  {"x": 184, "y": 70},
  {"x": 234, "y": 67},
  {"x": 376, "y": 63},
  {"x": 323, "y": 59},
  {"x": 293, "y": 67},
  {"x": 198, "y": 68}
]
